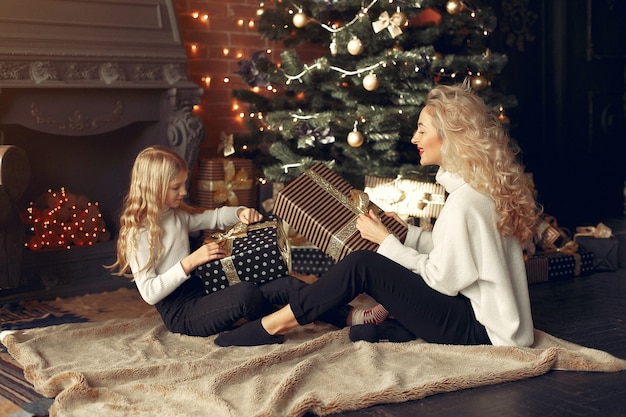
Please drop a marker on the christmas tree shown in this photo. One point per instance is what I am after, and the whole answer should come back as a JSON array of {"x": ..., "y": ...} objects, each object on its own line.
[{"x": 356, "y": 106}]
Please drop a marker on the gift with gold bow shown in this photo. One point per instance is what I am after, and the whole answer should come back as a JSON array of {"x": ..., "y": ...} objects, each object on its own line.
[
  {"x": 226, "y": 181},
  {"x": 324, "y": 208},
  {"x": 406, "y": 196},
  {"x": 257, "y": 253}
]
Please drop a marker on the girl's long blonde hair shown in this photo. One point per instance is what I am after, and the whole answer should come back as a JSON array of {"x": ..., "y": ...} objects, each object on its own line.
[
  {"x": 477, "y": 148},
  {"x": 151, "y": 174}
]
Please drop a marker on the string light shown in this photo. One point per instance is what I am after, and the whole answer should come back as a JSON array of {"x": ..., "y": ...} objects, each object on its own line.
[{"x": 63, "y": 220}]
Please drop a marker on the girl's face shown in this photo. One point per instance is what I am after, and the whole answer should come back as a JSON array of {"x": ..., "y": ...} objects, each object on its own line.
[
  {"x": 176, "y": 190},
  {"x": 427, "y": 139}
]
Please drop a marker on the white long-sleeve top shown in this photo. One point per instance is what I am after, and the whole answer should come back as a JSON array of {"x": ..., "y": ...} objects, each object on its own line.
[
  {"x": 157, "y": 283},
  {"x": 465, "y": 253}
]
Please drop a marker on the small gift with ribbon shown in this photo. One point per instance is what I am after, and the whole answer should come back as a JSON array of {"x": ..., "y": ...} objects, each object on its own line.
[
  {"x": 405, "y": 196},
  {"x": 324, "y": 208},
  {"x": 602, "y": 243},
  {"x": 226, "y": 181},
  {"x": 257, "y": 253}
]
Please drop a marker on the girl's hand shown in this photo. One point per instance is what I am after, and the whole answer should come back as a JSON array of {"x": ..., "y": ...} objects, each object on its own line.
[
  {"x": 249, "y": 215},
  {"x": 205, "y": 253},
  {"x": 371, "y": 227}
]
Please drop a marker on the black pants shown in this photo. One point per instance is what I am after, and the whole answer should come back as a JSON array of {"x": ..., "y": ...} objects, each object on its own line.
[
  {"x": 189, "y": 310},
  {"x": 428, "y": 314}
]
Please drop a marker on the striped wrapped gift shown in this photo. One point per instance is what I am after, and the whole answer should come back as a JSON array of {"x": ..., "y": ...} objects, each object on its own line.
[
  {"x": 324, "y": 208},
  {"x": 225, "y": 182},
  {"x": 407, "y": 197}
]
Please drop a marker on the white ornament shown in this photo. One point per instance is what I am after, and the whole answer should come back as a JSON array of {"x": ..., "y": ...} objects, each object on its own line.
[
  {"x": 355, "y": 46},
  {"x": 300, "y": 20},
  {"x": 370, "y": 82}
]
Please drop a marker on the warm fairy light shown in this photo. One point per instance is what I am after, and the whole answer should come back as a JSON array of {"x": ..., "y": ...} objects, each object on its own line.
[
  {"x": 207, "y": 81},
  {"x": 256, "y": 89},
  {"x": 268, "y": 51},
  {"x": 226, "y": 80},
  {"x": 235, "y": 106},
  {"x": 194, "y": 47},
  {"x": 251, "y": 24},
  {"x": 225, "y": 51},
  {"x": 195, "y": 15},
  {"x": 205, "y": 17},
  {"x": 239, "y": 55},
  {"x": 242, "y": 115},
  {"x": 240, "y": 22},
  {"x": 57, "y": 222}
]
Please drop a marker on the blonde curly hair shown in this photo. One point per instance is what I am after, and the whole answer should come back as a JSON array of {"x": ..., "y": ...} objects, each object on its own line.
[
  {"x": 477, "y": 148},
  {"x": 153, "y": 170}
]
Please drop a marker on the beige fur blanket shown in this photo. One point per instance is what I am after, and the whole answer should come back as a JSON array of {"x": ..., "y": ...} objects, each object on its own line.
[{"x": 135, "y": 367}]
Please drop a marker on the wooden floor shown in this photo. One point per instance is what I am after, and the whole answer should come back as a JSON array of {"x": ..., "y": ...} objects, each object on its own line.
[{"x": 589, "y": 311}]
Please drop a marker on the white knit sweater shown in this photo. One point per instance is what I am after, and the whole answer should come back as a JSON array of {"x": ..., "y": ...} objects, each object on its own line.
[
  {"x": 466, "y": 254},
  {"x": 157, "y": 283}
]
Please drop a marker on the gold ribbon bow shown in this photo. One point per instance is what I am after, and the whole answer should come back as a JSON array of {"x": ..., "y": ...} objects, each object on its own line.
[
  {"x": 386, "y": 21},
  {"x": 358, "y": 202},
  {"x": 601, "y": 231},
  {"x": 240, "y": 230},
  {"x": 224, "y": 191},
  {"x": 227, "y": 144}
]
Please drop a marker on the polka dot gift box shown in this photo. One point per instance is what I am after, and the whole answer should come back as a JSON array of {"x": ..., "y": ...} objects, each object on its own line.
[{"x": 258, "y": 252}]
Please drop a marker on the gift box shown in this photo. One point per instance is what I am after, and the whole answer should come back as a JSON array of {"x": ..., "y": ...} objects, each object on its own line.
[
  {"x": 556, "y": 266},
  {"x": 605, "y": 251},
  {"x": 225, "y": 182},
  {"x": 537, "y": 269},
  {"x": 406, "y": 197},
  {"x": 324, "y": 208},
  {"x": 257, "y": 253},
  {"x": 584, "y": 262}
]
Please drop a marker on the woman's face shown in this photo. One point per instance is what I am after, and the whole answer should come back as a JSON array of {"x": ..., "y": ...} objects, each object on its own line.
[
  {"x": 427, "y": 139},
  {"x": 176, "y": 190}
]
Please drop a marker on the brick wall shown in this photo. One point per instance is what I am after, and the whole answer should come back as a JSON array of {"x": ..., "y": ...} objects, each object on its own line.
[{"x": 217, "y": 34}]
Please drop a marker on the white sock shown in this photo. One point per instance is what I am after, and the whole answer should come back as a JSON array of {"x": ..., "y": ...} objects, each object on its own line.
[{"x": 374, "y": 315}]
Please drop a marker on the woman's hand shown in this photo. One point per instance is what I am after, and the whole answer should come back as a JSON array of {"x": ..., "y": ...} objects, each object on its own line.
[
  {"x": 371, "y": 227},
  {"x": 398, "y": 219},
  {"x": 204, "y": 254},
  {"x": 249, "y": 216}
]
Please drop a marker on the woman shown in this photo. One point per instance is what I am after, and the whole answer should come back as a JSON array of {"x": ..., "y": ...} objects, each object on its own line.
[{"x": 464, "y": 283}]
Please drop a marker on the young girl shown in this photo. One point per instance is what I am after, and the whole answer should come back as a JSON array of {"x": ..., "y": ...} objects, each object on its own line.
[
  {"x": 464, "y": 283},
  {"x": 154, "y": 247}
]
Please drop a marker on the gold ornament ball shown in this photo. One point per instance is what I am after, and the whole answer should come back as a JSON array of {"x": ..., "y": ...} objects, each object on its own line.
[
  {"x": 355, "y": 46},
  {"x": 300, "y": 20},
  {"x": 478, "y": 83},
  {"x": 355, "y": 139},
  {"x": 454, "y": 6},
  {"x": 370, "y": 82}
]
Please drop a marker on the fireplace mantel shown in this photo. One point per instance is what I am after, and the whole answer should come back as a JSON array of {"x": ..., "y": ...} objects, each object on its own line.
[{"x": 85, "y": 85}]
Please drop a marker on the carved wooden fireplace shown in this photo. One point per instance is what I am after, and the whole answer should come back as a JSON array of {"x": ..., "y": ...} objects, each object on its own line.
[{"x": 84, "y": 86}]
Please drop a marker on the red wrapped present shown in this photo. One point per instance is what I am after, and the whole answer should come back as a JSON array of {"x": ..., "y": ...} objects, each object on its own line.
[{"x": 324, "y": 208}]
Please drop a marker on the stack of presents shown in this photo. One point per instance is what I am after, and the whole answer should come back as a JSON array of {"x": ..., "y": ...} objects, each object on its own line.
[{"x": 310, "y": 225}]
